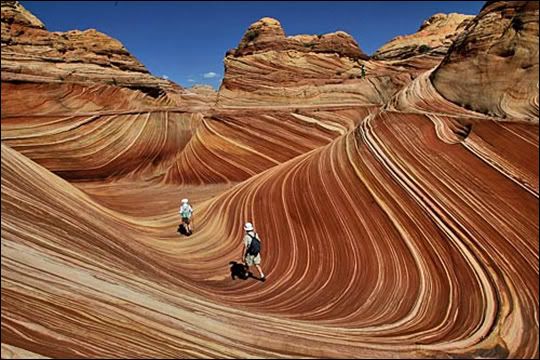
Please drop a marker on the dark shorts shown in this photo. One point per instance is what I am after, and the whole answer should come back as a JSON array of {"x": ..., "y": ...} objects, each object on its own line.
[{"x": 185, "y": 220}]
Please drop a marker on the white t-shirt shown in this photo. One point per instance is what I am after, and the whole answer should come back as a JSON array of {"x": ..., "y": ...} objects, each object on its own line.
[{"x": 185, "y": 211}]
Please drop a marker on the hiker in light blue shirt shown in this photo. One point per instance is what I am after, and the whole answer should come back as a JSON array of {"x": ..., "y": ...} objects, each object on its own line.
[{"x": 186, "y": 211}]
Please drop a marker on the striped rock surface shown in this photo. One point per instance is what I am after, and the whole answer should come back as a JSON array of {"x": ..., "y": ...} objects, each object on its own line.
[
  {"x": 391, "y": 240},
  {"x": 100, "y": 132},
  {"x": 496, "y": 54},
  {"x": 396, "y": 225}
]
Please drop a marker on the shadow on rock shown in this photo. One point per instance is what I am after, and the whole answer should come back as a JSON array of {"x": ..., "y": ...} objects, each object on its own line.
[
  {"x": 182, "y": 230},
  {"x": 239, "y": 270}
]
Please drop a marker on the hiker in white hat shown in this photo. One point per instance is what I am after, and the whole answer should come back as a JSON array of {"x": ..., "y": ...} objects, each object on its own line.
[
  {"x": 252, "y": 249},
  {"x": 186, "y": 211}
]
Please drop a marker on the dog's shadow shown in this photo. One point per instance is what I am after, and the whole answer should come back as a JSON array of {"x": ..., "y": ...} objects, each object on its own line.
[{"x": 239, "y": 270}]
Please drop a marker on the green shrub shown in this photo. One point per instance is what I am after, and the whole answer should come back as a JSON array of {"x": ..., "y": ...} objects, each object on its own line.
[
  {"x": 424, "y": 49},
  {"x": 517, "y": 24},
  {"x": 252, "y": 35}
]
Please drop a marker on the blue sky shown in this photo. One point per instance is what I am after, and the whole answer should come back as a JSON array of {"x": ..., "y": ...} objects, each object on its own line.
[{"x": 187, "y": 41}]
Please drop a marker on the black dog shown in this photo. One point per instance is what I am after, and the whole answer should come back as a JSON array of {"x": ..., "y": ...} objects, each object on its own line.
[{"x": 239, "y": 270}]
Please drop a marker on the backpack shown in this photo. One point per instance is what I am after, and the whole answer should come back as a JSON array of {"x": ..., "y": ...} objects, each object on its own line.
[{"x": 254, "y": 247}]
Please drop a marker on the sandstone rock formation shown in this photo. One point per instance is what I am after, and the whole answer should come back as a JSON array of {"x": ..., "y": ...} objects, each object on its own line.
[
  {"x": 175, "y": 144},
  {"x": 121, "y": 131},
  {"x": 492, "y": 67},
  {"x": 14, "y": 13},
  {"x": 203, "y": 94},
  {"x": 13, "y": 352},
  {"x": 433, "y": 38},
  {"x": 395, "y": 221},
  {"x": 30, "y": 53},
  {"x": 268, "y": 67},
  {"x": 204, "y": 90},
  {"x": 234, "y": 145},
  {"x": 267, "y": 35}
]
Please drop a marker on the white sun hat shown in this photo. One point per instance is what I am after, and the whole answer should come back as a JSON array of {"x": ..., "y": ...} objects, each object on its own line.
[
  {"x": 185, "y": 201},
  {"x": 248, "y": 226}
]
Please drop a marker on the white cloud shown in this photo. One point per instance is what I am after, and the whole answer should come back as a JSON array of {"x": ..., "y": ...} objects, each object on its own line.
[
  {"x": 191, "y": 80},
  {"x": 209, "y": 75},
  {"x": 165, "y": 77}
]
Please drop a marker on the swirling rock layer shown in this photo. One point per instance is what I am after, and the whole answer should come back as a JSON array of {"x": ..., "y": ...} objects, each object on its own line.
[
  {"x": 492, "y": 67},
  {"x": 453, "y": 264},
  {"x": 100, "y": 132},
  {"x": 394, "y": 222}
]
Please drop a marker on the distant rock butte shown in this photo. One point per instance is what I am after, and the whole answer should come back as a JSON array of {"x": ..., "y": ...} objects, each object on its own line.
[
  {"x": 30, "y": 53},
  {"x": 268, "y": 35},
  {"x": 269, "y": 68},
  {"x": 204, "y": 90},
  {"x": 492, "y": 67},
  {"x": 434, "y": 37}
]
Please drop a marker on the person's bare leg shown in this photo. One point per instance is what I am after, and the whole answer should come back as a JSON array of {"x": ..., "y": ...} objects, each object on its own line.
[{"x": 259, "y": 270}]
